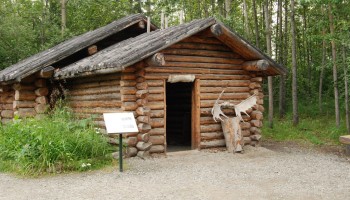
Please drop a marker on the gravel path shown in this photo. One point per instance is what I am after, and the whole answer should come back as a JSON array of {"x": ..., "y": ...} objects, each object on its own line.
[{"x": 259, "y": 173}]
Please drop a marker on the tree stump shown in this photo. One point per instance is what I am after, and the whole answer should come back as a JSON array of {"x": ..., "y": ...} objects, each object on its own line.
[{"x": 233, "y": 134}]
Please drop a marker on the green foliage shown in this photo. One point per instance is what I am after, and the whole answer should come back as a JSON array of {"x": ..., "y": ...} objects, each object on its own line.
[{"x": 53, "y": 144}]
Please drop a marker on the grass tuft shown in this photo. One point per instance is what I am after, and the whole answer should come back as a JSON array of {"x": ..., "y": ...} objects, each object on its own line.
[{"x": 53, "y": 144}]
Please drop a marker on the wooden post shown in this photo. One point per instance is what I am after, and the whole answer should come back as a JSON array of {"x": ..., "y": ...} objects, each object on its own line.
[
  {"x": 196, "y": 112},
  {"x": 148, "y": 24}
]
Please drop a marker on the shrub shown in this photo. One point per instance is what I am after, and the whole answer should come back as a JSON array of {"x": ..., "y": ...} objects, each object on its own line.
[{"x": 52, "y": 144}]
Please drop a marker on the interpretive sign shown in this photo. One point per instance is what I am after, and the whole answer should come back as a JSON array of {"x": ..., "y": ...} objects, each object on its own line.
[{"x": 119, "y": 123}]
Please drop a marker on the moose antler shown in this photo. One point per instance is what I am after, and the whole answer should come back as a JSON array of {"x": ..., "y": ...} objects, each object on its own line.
[{"x": 216, "y": 110}]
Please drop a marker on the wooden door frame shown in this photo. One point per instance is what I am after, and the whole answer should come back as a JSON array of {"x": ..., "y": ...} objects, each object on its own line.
[{"x": 195, "y": 115}]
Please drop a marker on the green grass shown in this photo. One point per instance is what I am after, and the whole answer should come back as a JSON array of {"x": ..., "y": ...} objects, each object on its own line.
[
  {"x": 313, "y": 128},
  {"x": 54, "y": 144}
]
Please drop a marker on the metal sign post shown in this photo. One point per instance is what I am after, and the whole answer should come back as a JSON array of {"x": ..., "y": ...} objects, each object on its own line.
[{"x": 119, "y": 123}]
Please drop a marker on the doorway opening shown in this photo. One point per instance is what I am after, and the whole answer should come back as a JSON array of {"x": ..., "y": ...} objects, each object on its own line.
[{"x": 178, "y": 116}]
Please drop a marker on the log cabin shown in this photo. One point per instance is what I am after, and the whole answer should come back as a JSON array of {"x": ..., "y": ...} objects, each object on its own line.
[{"x": 168, "y": 78}]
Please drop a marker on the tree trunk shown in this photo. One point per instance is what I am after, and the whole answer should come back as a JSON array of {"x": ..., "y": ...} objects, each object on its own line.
[
  {"x": 227, "y": 8},
  {"x": 282, "y": 94},
  {"x": 246, "y": 21},
  {"x": 256, "y": 25},
  {"x": 322, "y": 70},
  {"x": 269, "y": 52},
  {"x": 63, "y": 16},
  {"x": 335, "y": 74},
  {"x": 294, "y": 68},
  {"x": 346, "y": 90}
]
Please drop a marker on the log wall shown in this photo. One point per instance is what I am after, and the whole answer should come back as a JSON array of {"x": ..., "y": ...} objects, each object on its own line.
[
  {"x": 217, "y": 68},
  {"x": 93, "y": 96}
]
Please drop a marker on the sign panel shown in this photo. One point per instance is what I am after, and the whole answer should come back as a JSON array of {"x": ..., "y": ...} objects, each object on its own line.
[{"x": 120, "y": 122}]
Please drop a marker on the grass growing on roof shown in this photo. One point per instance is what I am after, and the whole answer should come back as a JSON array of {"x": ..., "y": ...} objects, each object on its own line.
[{"x": 56, "y": 143}]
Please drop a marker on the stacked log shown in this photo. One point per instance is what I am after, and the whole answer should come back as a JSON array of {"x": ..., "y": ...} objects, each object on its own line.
[
  {"x": 93, "y": 96},
  {"x": 24, "y": 104},
  {"x": 257, "y": 113},
  {"x": 143, "y": 145},
  {"x": 7, "y": 96},
  {"x": 41, "y": 100}
]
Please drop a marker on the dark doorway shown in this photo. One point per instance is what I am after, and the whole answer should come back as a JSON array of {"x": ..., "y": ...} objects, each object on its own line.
[{"x": 178, "y": 116}]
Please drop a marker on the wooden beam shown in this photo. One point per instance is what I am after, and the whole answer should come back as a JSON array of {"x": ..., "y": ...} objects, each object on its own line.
[
  {"x": 92, "y": 50},
  {"x": 256, "y": 65},
  {"x": 47, "y": 72},
  {"x": 156, "y": 60}
]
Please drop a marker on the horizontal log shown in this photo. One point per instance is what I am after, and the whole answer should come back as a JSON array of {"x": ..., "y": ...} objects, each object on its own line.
[
  {"x": 129, "y": 106},
  {"x": 157, "y": 113},
  {"x": 4, "y": 88},
  {"x": 110, "y": 96},
  {"x": 202, "y": 40},
  {"x": 131, "y": 141},
  {"x": 157, "y": 131},
  {"x": 254, "y": 85},
  {"x": 175, "y": 58},
  {"x": 142, "y": 102},
  {"x": 157, "y": 149},
  {"x": 256, "y": 115},
  {"x": 140, "y": 73},
  {"x": 92, "y": 50},
  {"x": 162, "y": 76},
  {"x": 97, "y": 110},
  {"x": 257, "y": 79},
  {"x": 42, "y": 100},
  {"x": 41, "y": 108},
  {"x": 157, "y": 105},
  {"x": 114, "y": 83},
  {"x": 246, "y": 132},
  {"x": 245, "y": 125},
  {"x": 143, "y": 146},
  {"x": 212, "y": 143},
  {"x": 156, "y": 59},
  {"x": 23, "y": 104},
  {"x": 92, "y": 104},
  {"x": 255, "y": 130},
  {"x": 6, "y": 121},
  {"x": 128, "y": 98},
  {"x": 25, "y": 112},
  {"x": 156, "y": 90},
  {"x": 47, "y": 72},
  {"x": 225, "y": 83},
  {"x": 225, "y": 96},
  {"x": 131, "y": 152},
  {"x": 127, "y": 83},
  {"x": 143, "y": 137},
  {"x": 25, "y": 95},
  {"x": 182, "y": 70},
  {"x": 203, "y": 65},
  {"x": 155, "y": 83},
  {"x": 105, "y": 77},
  {"x": 21, "y": 86},
  {"x": 247, "y": 140},
  {"x": 256, "y": 65},
  {"x": 256, "y": 123},
  {"x": 144, "y": 128},
  {"x": 143, "y": 119},
  {"x": 210, "y": 128},
  {"x": 156, "y": 97},
  {"x": 212, "y": 136},
  {"x": 140, "y": 79},
  {"x": 42, "y": 92},
  {"x": 28, "y": 79},
  {"x": 143, "y": 111},
  {"x": 157, "y": 139},
  {"x": 142, "y": 86},
  {"x": 40, "y": 83},
  {"x": 6, "y": 99},
  {"x": 187, "y": 45},
  {"x": 7, "y": 106},
  {"x": 220, "y": 89},
  {"x": 7, "y": 114},
  {"x": 255, "y": 137},
  {"x": 210, "y": 103},
  {"x": 128, "y": 90},
  {"x": 141, "y": 94},
  {"x": 143, "y": 154},
  {"x": 157, "y": 122},
  {"x": 207, "y": 120},
  {"x": 94, "y": 91},
  {"x": 196, "y": 52}
]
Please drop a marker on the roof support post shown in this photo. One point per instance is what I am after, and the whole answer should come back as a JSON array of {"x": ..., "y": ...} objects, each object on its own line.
[{"x": 157, "y": 60}]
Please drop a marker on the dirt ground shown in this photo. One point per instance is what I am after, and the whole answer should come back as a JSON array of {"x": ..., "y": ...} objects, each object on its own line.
[{"x": 276, "y": 171}]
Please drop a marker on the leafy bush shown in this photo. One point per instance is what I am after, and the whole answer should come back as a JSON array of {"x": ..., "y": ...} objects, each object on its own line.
[{"x": 52, "y": 144}]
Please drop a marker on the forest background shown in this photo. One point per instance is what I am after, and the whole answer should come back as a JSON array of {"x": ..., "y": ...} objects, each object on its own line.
[{"x": 310, "y": 37}]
